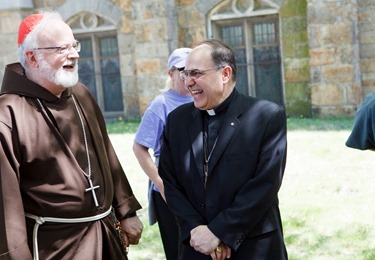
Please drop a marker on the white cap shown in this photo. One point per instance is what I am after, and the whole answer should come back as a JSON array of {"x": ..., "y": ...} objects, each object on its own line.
[{"x": 178, "y": 57}]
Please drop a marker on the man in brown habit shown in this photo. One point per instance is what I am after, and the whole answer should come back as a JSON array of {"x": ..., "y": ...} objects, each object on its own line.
[{"x": 61, "y": 183}]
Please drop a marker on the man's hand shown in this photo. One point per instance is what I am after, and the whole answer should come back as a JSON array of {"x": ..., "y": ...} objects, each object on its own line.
[
  {"x": 132, "y": 228},
  {"x": 221, "y": 252},
  {"x": 205, "y": 242}
]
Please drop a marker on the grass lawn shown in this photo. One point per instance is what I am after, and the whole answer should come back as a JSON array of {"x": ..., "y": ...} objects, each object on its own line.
[{"x": 325, "y": 199}]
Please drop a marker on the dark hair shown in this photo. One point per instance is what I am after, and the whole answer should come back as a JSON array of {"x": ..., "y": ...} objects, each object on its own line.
[{"x": 222, "y": 55}]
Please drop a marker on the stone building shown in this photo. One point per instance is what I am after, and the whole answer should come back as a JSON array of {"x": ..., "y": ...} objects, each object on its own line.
[{"x": 315, "y": 57}]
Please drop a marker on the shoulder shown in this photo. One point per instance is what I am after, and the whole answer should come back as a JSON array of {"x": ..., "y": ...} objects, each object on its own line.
[
  {"x": 12, "y": 106},
  {"x": 159, "y": 100},
  {"x": 6, "y": 102},
  {"x": 83, "y": 94},
  {"x": 185, "y": 110},
  {"x": 367, "y": 106},
  {"x": 81, "y": 90}
]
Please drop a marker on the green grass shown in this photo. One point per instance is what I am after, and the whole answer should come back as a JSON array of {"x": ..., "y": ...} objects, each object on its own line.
[
  {"x": 309, "y": 124},
  {"x": 319, "y": 124},
  {"x": 325, "y": 200},
  {"x": 122, "y": 127}
]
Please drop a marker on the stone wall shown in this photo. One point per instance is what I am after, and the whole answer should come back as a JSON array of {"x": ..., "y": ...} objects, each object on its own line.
[
  {"x": 328, "y": 48},
  {"x": 366, "y": 22},
  {"x": 295, "y": 52},
  {"x": 334, "y": 57},
  {"x": 9, "y": 22}
]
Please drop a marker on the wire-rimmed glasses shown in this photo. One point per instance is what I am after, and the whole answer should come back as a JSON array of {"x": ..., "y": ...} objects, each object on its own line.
[
  {"x": 64, "y": 48},
  {"x": 195, "y": 73}
]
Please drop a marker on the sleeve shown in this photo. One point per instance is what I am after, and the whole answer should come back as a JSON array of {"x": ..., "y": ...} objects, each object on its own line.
[
  {"x": 150, "y": 130},
  {"x": 188, "y": 217},
  {"x": 13, "y": 234},
  {"x": 362, "y": 135},
  {"x": 254, "y": 209},
  {"x": 124, "y": 201}
]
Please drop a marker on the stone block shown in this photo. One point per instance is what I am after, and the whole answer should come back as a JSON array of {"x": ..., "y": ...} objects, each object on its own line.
[
  {"x": 322, "y": 56},
  {"x": 366, "y": 3},
  {"x": 368, "y": 79},
  {"x": 368, "y": 90},
  {"x": 143, "y": 32},
  {"x": 319, "y": 13},
  {"x": 190, "y": 18},
  {"x": 148, "y": 67},
  {"x": 346, "y": 54},
  {"x": 293, "y": 8},
  {"x": 326, "y": 95},
  {"x": 295, "y": 44},
  {"x": 297, "y": 92},
  {"x": 368, "y": 65},
  {"x": 124, "y": 5},
  {"x": 127, "y": 65},
  {"x": 337, "y": 34},
  {"x": 367, "y": 51},
  {"x": 296, "y": 70},
  {"x": 294, "y": 24},
  {"x": 339, "y": 73}
]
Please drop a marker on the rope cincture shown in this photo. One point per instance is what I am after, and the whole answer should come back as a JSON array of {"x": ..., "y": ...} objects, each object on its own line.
[{"x": 41, "y": 220}]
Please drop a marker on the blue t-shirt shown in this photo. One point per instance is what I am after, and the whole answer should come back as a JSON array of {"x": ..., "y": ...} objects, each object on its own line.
[{"x": 150, "y": 130}]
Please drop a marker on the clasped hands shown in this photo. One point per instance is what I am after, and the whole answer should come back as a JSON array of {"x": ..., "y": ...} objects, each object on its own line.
[
  {"x": 132, "y": 230},
  {"x": 205, "y": 242}
]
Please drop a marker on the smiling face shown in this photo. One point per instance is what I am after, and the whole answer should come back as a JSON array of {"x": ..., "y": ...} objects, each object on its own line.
[
  {"x": 51, "y": 69},
  {"x": 61, "y": 69},
  {"x": 211, "y": 87},
  {"x": 65, "y": 76}
]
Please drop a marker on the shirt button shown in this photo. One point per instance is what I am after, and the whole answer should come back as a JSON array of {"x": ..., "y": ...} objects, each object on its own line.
[{"x": 202, "y": 205}]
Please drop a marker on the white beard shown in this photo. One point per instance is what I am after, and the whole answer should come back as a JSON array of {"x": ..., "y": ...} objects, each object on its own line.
[{"x": 61, "y": 77}]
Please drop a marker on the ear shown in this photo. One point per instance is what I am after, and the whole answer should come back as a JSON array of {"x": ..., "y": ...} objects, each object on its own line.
[
  {"x": 170, "y": 73},
  {"x": 227, "y": 74},
  {"x": 31, "y": 59}
]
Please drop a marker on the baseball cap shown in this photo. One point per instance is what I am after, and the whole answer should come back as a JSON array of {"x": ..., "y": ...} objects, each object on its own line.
[
  {"x": 27, "y": 25},
  {"x": 178, "y": 57}
]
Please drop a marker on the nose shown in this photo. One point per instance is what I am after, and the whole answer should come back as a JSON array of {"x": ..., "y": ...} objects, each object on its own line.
[
  {"x": 189, "y": 81},
  {"x": 73, "y": 54}
]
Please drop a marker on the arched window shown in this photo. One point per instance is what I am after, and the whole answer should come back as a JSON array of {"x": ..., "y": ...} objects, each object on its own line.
[
  {"x": 251, "y": 28},
  {"x": 99, "y": 64}
]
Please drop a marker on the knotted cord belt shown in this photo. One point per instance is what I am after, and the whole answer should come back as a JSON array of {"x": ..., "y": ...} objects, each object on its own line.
[{"x": 41, "y": 220}]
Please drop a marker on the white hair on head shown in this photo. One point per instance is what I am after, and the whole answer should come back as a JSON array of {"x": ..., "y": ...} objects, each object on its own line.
[{"x": 32, "y": 39}]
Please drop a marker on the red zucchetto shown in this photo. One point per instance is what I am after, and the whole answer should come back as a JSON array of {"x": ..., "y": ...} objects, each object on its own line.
[{"x": 27, "y": 26}]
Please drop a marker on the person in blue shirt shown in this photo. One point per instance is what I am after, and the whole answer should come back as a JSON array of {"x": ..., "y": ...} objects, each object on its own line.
[{"x": 149, "y": 136}]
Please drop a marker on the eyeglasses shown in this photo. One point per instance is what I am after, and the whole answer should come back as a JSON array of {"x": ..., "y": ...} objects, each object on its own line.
[
  {"x": 178, "y": 69},
  {"x": 195, "y": 73},
  {"x": 64, "y": 48}
]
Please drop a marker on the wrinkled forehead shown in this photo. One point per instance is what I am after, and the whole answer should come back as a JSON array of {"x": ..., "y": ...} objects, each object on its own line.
[
  {"x": 199, "y": 58},
  {"x": 58, "y": 33}
]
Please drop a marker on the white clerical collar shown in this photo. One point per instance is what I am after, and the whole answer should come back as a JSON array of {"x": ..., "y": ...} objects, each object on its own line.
[{"x": 211, "y": 112}]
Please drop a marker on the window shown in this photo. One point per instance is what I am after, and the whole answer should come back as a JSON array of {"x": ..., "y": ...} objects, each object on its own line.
[
  {"x": 254, "y": 36},
  {"x": 99, "y": 70}
]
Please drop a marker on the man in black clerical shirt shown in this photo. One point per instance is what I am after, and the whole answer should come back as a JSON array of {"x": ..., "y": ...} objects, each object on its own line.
[{"x": 222, "y": 163}]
